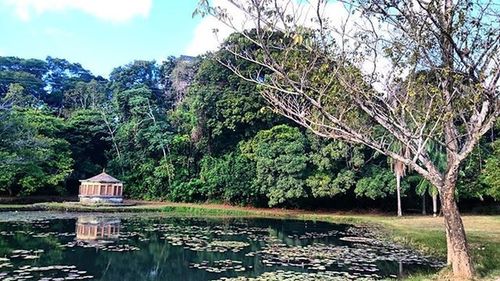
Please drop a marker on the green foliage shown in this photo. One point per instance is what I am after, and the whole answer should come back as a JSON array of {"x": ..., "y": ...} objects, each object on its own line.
[
  {"x": 136, "y": 74},
  {"x": 227, "y": 109},
  {"x": 188, "y": 130},
  {"x": 60, "y": 77},
  {"x": 189, "y": 191},
  {"x": 469, "y": 183},
  {"x": 45, "y": 80},
  {"x": 17, "y": 96},
  {"x": 378, "y": 182},
  {"x": 335, "y": 165},
  {"x": 323, "y": 185},
  {"x": 31, "y": 84},
  {"x": 229, "y": 178},
  {"x": 88, "y": 136},
  {"x": 281, "y": 162},
  {"x": 491, "y": 173},
  {"x": 33, "y": 154},
  {"x": 85, "y": 95},
  {"x": 424, "y": 186},
  {"x": 141, "y": 138}
]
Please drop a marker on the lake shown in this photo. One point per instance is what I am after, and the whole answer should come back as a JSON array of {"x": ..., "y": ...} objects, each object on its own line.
[{"x": 84, "y": 246}]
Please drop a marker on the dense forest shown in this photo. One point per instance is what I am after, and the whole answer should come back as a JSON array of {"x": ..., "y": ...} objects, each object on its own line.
[{"x": 189, "y": 129}]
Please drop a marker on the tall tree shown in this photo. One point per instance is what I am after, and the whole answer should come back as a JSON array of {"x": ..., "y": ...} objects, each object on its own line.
[
  {"x": 399, "y": 168},
  {"x": 31, "y": 84},
  {"x": 87, "y": 135},
  {"x": 85, "y": 95},
  {"x": 227, "y": 109},
  {"x": 182, "y": 77},
  {"x": 17, "y": 96},
  {"x": 423, "y": 187},
  {"x": 36, "y": 67},
  {"x": 61, "y": 76},
  {"x": 138, "y": 73},
  {"x": 360, "y": 82},
  {"x": 33, "y": 153}
]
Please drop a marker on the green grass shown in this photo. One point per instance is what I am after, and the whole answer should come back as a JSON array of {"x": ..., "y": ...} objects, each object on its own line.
[
  {"x": 423, "y": 233},
  {"x": 200, "y": 211}
]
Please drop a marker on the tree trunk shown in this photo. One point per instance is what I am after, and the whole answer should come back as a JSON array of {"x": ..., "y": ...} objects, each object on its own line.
[
  {"x": 458, "y": 249},
  {"x": 424, "y": 210},
  {"x": 398, "y": 191},
  {"x": 434, "y": 205}
]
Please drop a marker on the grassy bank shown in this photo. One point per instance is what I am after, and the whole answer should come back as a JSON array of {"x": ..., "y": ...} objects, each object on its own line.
[
  {"x": 427, "y": 235},
  {"x": 422, "y": 232}
]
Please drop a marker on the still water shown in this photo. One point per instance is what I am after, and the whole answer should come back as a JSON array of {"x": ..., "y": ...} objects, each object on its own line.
[{"x": 70, "y": 246}]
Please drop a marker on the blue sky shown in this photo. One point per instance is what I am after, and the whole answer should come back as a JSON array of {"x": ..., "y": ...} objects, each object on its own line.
[{"x": 99, "y": 34}]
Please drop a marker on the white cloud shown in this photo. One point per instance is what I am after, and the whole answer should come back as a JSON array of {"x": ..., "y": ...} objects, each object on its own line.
[
  {"x": 204, "y": 39},
  {"x": 108, "y": 10}
]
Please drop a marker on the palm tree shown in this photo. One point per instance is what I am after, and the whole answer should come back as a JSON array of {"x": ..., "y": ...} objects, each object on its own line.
[
  {"x": 399, "y": 169},
  {"x": 425, "y": 186},
  {"x": 439, "y": 158}
]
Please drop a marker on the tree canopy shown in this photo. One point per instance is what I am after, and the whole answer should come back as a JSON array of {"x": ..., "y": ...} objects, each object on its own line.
[
  {"x": 191, "y": 129},
  {"x": 391, "y": 72}
]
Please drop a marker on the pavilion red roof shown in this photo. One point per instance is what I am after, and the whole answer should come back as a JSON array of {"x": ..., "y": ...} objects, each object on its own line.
[{"x": 103, "y": 177}]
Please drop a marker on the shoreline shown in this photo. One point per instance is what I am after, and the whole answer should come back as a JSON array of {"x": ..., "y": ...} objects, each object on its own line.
[{"x": 423, "y": 233}]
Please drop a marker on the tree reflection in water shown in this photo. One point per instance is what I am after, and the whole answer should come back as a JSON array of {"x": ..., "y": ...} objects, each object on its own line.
[{"x": 146, "y": 247}]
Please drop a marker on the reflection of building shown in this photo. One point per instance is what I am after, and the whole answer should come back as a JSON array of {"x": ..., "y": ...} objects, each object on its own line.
[
  {"x": 102, "y": 188},
  {"x": 95, "y": 228}
]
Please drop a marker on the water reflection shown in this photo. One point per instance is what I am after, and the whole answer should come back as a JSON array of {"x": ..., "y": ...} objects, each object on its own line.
[
  {"x": 94, "y": 229},
  {"x": 120, "y": 247}
]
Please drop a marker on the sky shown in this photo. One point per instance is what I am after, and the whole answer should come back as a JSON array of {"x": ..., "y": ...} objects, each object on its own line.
[{"x": 102, "y": 34}]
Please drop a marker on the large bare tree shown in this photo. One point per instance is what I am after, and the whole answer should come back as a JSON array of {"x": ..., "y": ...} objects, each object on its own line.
[{"x": 378, "y": 72}]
